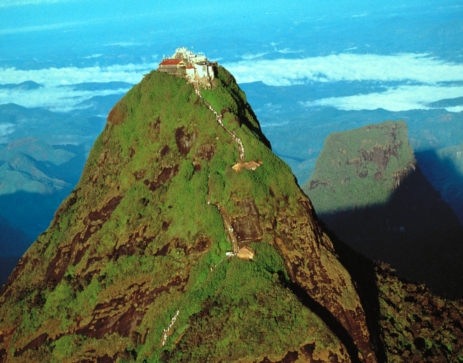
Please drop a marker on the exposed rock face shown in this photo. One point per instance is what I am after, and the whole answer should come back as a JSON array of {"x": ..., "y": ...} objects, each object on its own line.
[
  {"x": 134, "y": 265},
  {"x": 368, "y": 189}
]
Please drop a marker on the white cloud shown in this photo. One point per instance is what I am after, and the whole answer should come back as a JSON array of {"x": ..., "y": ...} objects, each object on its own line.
[
  {"x": 94, "y": 56},
  {"x": 37, "y": 28},
  {"x": 130, "y": 73},
  {"x": 288, "y": 51},
  {"x": 253, "y": 57},
  {"x": 249, "y": 56},
  {"x": 401, "y": 98},
  {"x": 347, "y": 67},
  {"x": 6, "y": 129},
  {"x": 55, "y": 97},
  {"x": 454, "y": 109}
]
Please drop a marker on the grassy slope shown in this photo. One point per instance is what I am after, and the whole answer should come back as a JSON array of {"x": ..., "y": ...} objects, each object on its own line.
[
  {"x": 161, "y": 250},
  {"x": 229, "y": 309},
  {"x": 344, "y": 177}
]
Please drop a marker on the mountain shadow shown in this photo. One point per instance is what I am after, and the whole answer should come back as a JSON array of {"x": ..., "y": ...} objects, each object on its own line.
[
  {"x": 443, "y": 170},
  {"x": 416, "y": 232},
  {"x": 369, "y": 191},
  {"x": 406, "y": 321},
  {"x": 13, "y": 242},
  {"x": 7, "y": 264}
]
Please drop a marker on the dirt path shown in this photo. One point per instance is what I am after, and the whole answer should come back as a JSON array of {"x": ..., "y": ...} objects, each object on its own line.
[
  {"x": 223, "y": 213},
  {"x": 218, "y": 117},
  {"x": 228, "y": 227}
]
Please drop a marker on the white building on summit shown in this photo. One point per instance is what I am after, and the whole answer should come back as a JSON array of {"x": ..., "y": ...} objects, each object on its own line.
[{"x": 195, "y": 67}]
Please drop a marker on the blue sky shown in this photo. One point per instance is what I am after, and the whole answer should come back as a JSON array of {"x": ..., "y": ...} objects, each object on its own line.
[{"x": 412, "y": 49}]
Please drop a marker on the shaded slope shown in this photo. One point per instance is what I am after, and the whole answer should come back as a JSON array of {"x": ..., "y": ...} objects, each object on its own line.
[
  {"x": 369, "y": 191},
  {"x": 134, "y": 266},
  {"x": 35, "y": 177},
  {"x": 408, "y": 323},
  {"x": 13, "y": 242},
  {"x": 444, "y": 169}
]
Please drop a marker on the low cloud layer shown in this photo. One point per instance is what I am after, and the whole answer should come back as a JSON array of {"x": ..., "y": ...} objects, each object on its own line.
[
  {"x": 130, "y": 73},
  {"x": 394, "y": 99},
  {"x": 55, "y": 97},
  {"x": 347, "y": 67},
  {"x": 422, "y": 79},
  {"x": 6, "y": 129}
]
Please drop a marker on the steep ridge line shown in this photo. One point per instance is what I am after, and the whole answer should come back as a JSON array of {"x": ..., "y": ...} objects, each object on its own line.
[
  {"x": 225, "y": 217},
  {"x": 340, "y": 326},
  {"x": 219, "y": 120}
]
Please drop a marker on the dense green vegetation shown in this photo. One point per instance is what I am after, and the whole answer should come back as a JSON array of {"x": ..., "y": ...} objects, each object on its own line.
[
  {"x": 360, "y": 167},
  {"x": 134, "y": 266},
  {"x": 146, "y": 211},
  {"x": 237, "y": 310},
  {"x": 418, "y": 326}
]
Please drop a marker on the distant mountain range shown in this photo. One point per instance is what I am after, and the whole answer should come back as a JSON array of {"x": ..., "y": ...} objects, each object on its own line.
[
  {"x": 97, "y": 105},
  {"x": 452, "y": 102},
  {"x": 26, "y": 86},
  {"x": 54, "y": 128},
  {"x": 34, "y": 178}
]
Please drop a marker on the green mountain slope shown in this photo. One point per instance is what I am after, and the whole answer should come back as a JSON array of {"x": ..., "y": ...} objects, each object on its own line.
[
  {"x": 140, "y": 246},
  {"x": 139, "y": 263},
  {"x": 368, "y": 189}
]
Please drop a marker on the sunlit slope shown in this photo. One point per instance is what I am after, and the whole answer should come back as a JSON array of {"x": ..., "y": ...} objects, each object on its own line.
[{"x": 134, "y": 265}]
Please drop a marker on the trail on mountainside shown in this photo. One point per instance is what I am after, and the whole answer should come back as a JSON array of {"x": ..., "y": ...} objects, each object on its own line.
[
  {"x": 219, "y": 120},
  {"x": 225, "y": 217}
]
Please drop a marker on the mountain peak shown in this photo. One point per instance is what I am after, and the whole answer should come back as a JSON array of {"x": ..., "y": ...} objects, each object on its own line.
[
  {"x": 144, "y": 248},
  {"x": 187, "y": 239}
]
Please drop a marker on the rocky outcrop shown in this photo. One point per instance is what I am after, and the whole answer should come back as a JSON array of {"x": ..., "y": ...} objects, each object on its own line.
[{"x": 369, "y": 190}]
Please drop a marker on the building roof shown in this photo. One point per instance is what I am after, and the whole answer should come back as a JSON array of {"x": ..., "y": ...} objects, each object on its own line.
[
  {"x": 249, "y": 165},
  {"x": 246, "y": 253},
  {"x": 170, "y": 62}
]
